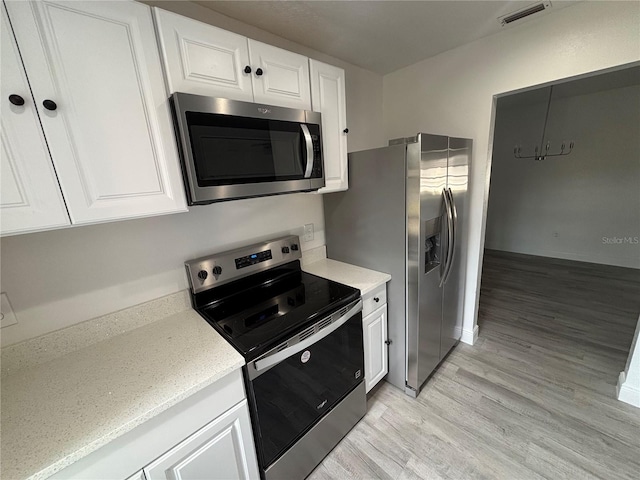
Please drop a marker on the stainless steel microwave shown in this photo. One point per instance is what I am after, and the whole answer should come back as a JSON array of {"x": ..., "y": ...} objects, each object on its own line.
[{"x": 231, "y": 149}]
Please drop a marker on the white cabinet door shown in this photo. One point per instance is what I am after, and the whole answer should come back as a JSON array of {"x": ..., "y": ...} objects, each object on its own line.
[
  {"x": 284, "y": 80},
  {"x": 30, "y": 197},
  {"x": 137, "y": 476},
  {"x": 203, "y": 59},
  {"x": 328, "y": 98},
  {"x": 110, "y": 137},
  {"x": 376, "y": 363},
  {"x": 221, "y": 450}
]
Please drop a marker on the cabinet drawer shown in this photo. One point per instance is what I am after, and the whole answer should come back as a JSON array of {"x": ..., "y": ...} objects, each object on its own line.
[{"x": 369, "y": 302}]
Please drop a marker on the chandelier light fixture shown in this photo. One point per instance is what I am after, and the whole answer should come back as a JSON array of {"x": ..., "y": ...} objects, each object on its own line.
[{"x": 542, "y": 152}]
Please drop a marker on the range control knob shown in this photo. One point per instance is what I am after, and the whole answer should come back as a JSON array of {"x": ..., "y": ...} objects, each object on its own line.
[
  {"x": 294, "y": 247},
  {"x": 285, "y": 249},
  {"x": 217, "y": 270},
  {"x": 202, "y": 275}
]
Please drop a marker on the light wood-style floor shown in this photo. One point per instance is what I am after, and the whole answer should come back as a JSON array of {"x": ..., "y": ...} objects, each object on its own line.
[{"x": 534, "y": 398}]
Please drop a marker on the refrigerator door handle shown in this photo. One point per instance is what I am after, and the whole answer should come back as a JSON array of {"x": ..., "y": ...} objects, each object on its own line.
[
  {"x": 450, "y": 233},
  {"x": 444, "y": 252},
  {"x": 454, "y": 238}
]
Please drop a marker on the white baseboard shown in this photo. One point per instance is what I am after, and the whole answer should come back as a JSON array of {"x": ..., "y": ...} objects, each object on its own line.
[
  {"x": 594, "y": 257},
  {"x": 469, "y": 336},
  {"x": 627, "y": 393}
]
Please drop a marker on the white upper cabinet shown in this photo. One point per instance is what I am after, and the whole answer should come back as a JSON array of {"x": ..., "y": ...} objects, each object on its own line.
[
  {"x": 280, "y": 77},
  {"x": 328, "y": 98},
  {"x": 30, "y": 197},
  {"x": 96, "y": 76},
  {"x": 203, "y": 59}
]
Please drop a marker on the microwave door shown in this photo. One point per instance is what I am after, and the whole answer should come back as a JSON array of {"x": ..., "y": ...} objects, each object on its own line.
[{"x": 233, "y": 150}]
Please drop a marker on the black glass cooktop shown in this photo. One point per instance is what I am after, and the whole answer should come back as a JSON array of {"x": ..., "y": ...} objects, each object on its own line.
[{"x": 257, "y": 312}]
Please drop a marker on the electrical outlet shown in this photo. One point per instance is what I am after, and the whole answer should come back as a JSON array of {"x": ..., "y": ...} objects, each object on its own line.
[
  {"x": 7, "y": 317},
  {"x": 307, "y": 234},
  {"x": 555, "y": 234}
]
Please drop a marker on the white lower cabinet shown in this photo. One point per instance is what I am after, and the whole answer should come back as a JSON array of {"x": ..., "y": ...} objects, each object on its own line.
[
  {"x": 376, "y": 363},
  {"x": 374, "y": 325},
  {"x": 206, "y": 436},
  {"x": 219, "y": 451}
]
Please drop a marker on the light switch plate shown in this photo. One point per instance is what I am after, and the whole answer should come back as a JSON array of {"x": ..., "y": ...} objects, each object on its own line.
[{"x": 7, "y": 317}]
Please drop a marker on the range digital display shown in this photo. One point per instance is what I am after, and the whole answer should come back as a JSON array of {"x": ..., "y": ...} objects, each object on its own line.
[{"x": 252, "y": 259}]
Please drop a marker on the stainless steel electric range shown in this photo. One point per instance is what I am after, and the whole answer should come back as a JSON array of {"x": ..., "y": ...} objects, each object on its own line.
[{"x": 301, "y": 337}]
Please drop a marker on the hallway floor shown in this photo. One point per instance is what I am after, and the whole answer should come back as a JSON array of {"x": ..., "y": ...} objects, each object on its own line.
[{"x": 534, "y": 398}]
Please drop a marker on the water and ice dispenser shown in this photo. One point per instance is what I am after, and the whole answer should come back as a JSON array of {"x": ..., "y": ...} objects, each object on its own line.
[{"x": 432, "y": 244}]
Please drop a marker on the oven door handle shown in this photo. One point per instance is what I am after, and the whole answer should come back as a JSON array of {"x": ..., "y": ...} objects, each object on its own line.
[
  {"x": 275, "y": 358},
  {"x": 309, "y": 143}
]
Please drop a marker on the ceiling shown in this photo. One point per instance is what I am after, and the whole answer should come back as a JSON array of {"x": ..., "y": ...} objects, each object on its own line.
[
  {"x": 381, "y": 36},
  {"x": 625, "y": 77}
]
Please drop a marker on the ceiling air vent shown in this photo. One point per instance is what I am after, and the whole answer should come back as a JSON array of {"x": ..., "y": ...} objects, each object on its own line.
[{"x": 524, "y": 12}]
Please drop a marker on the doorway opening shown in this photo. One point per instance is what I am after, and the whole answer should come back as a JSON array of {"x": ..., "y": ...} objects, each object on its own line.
[{"x": 560, "y": 286}]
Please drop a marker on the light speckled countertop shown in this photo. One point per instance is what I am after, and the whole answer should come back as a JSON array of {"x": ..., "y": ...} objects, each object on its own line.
[
  {"x": 361, "y": 278},
  {"x": 61, "y": 409}
]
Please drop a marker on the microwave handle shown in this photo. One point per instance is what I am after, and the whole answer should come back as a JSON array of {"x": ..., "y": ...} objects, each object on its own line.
[{"x": 309, "y": 142}]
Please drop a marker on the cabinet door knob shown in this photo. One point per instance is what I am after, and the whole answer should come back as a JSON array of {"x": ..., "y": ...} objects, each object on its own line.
[
  {"x": 16, "y": 100},
  {"x": 376, "y": 299},
  {"x": 247, "y": 69},
  {"x": 259, "y": 72},
  {"x": 387, "y": 342},
  {"x": 346, "y": 130},
  {"x": 50, "y": 105}
]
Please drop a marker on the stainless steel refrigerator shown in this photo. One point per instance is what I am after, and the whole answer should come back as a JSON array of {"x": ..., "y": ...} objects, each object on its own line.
[{"x": 405, "y": 214}]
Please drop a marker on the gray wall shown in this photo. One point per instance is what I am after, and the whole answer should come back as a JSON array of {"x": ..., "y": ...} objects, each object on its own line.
[{"x": 571, "y": 207}]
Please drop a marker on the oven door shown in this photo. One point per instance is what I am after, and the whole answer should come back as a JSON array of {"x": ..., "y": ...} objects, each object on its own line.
[
  {"x": 292, "y": 388},
  {"x": 236, "y": 149}
]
